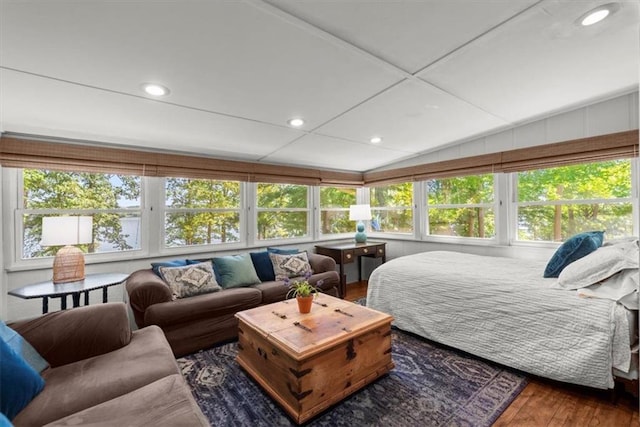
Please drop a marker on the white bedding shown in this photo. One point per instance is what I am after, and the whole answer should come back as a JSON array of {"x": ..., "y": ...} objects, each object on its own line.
[{"x": 502, "y": 309}]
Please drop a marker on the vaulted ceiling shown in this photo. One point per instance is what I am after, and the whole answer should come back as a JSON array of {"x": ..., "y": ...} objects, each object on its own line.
[{"x": 418, "y": 74}]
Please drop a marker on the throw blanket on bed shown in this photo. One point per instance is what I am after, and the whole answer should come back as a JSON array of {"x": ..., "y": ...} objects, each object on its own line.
[{"x": 502, "y": 309}]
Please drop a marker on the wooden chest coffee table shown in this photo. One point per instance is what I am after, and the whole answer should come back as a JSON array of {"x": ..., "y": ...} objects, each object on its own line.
[{"x": 307, "y": 362}]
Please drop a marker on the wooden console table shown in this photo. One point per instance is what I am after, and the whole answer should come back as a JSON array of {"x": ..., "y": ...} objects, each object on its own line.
[
  {"x": 345, "y": 253},
  {"x": 48, "y": 289}
]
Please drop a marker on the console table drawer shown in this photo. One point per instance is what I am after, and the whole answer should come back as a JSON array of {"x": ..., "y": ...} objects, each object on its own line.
[{"x": 375, "y": 251}]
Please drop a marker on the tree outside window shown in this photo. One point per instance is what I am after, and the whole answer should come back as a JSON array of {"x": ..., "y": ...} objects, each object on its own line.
[
  {"x": 282, "y": 210},
  {"x": 556, "y": 203},
  {"x": 201, "y": 212},
  {"x": 392, "y": 208},
  {"x": 112, "y": 200},
  {"x": 334, "y": 209},
  {"x": 461, "y": 206}
]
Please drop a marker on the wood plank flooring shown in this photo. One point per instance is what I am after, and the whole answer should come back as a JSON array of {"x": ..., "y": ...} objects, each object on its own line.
[{"x": 548, "y": 403}]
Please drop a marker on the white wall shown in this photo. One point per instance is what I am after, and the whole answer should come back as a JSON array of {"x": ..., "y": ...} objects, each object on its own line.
[
  {"x": 614, "y": 115},
  {"x": 618, "y": 114}
]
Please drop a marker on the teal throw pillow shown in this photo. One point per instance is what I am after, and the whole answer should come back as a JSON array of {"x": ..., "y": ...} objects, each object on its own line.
[
  {"x": 573, "y": 249},
  {"x": 22, "y": 348},
  {"x": 20, "y": 383},
  {"x": 236, "y": 271}
]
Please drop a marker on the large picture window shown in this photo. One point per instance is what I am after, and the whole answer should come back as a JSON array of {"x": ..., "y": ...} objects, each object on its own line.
[
  {"x": 112, "y": 200},
  {"x": 201, "y": 212},
  {"x": 334, "y": 210},
  {"x": 461, "y": 206},
  {"x": 555, "y": 203},
  {"x": 282, "y": 211},
  {"x": 392, "y": 208}
]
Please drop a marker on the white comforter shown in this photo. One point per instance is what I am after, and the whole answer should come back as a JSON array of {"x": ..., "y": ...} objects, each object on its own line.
[{"x": 502, "y": 309}]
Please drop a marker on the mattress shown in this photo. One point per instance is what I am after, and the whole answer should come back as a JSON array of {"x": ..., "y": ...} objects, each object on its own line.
[{"x": 501, "y": 309}]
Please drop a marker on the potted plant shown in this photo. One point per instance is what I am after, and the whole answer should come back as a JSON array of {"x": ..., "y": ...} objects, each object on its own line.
[{"x": 303, "y": 291}]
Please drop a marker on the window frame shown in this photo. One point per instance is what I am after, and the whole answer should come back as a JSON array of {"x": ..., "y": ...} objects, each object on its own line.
[
  {"x": 165, "y": 210},
  {"x": 412, "y": 207},
  {"x": 13, "y": 182},
  {"x": 494, "y": 205},
  {"x": 252, "y": 204},
  {"x": 320, "y": 209},
  {"x": 515, "y": 204}
]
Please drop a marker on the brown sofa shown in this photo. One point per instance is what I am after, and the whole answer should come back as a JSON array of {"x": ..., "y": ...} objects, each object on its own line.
[
  {"x": 102, "y": 373},
  {"x": 201, "y": 321}
]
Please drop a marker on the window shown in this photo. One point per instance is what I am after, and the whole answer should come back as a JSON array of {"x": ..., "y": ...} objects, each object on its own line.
[
  {"x": 201, "y": 212},
  {"x": 461, "y": 206},
  {"x": 112, "y": 200},
  {"x": 334, "y": 210},
  {"x": 282, "y": 211},
  {"x": 555, "y": 203},
  {"x": 392, "y": 208}
]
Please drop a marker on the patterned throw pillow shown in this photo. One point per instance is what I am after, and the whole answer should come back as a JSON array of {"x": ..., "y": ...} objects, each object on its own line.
[
  {"x": 290, "y": 265},
  {"x": 190, "y": 280}
]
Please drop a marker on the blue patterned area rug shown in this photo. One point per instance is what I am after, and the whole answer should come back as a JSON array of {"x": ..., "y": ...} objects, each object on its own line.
[{"x": 429, "y": 386}]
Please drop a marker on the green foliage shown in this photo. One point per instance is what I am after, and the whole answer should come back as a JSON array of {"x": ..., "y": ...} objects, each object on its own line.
[
  {"x": 392, "y": 207},
  {"x": 219, "y": 222},
  {"x": 75, "y": 192},
  {"x": 333, "y": 220},
  {"x": 586, "y": 184},
  {"x": 282, "y": 210},
  {"x": 463, "y": 213}
]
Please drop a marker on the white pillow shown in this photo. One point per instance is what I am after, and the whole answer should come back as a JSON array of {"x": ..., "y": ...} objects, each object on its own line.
[
  {"x": 621, "y": 287},
  {"x": 599, "y": 265}
]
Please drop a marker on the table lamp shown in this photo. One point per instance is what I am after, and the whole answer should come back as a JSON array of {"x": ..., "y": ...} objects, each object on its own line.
[
  {"x": 360, "y": 213},
  {"x": 68, "y": 265}
]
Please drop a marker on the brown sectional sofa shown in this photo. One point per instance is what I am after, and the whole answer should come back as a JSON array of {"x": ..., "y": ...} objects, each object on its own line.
[
  {"x": 102, "y": 373},
  {"x": 201, "y": 321}
]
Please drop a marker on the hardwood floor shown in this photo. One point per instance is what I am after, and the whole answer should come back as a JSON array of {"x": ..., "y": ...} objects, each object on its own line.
[{"x": 548, "y": 403}]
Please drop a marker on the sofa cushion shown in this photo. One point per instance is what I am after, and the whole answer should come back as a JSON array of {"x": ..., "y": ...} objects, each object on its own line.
[
  {"x": 19, "y": 382},
  {"x": 22, "y": 348},
  {"x": 263, "y": 265},
  {"x": 190, "y": 280},
  {"x": 286, "y": 266},
  {"x": 236, "y": 271},
  {"x": 209, "y": 305},
  {"x": 165, "y": 402},
  {"x": 80, "y": 385}
]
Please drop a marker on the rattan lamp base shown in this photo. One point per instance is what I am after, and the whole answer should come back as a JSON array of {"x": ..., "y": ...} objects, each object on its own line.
[{"x": 68, "y": 265}]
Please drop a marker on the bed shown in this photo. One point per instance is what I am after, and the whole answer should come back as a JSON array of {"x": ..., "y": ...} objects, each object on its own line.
[{"x": 503, "y": 310}]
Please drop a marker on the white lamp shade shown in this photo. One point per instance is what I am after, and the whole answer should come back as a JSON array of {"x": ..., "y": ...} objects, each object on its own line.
[
  {"x": 66, "y": 230},
  {"x": 360, "y": 212}
]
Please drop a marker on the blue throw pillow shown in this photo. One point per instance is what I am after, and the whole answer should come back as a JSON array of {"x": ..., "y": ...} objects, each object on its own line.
[
  {"x": 22, "y": 348},
  {"x": 20, "y": 383},
  {"x": 283, "y": 251},
  {"x": 4, "y": 421},
  {"x": 155, "y": 266},
  {"x": 236, "y": 271},
  {"x": 573, "y": 249},
  {"x": 263, "y": 265}
]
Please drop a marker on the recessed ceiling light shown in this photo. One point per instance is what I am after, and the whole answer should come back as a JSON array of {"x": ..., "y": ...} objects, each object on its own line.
[
  {"x": 376, "y": 140},
  {"x": 155, "y": 89},
  {"x": 296, "y": 123},
  {"x": 598, "y": 14}
]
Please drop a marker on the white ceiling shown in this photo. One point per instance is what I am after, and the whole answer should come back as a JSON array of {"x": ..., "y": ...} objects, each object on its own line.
[{"x": 419, "y": 73}]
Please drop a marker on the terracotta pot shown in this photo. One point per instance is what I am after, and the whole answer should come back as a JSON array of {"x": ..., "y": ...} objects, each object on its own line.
[{"x": 304, "y": 303}]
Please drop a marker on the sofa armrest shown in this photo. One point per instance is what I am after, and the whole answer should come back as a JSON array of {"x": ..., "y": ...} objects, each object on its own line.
[
  {"x": 67, "y": 336},
  {"x": 321, "y": 263},
  {"x": 145, "y": 288}
]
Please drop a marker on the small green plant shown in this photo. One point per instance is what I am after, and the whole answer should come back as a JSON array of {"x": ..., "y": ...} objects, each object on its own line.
[{"x": 302, "y": 287}]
